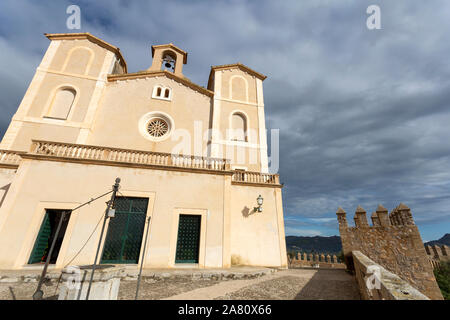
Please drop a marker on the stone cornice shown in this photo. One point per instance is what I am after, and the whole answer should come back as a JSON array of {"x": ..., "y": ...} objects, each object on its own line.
[
  {"x": 170, "y": 75},
  {"x": 92, "y": 38},
  {"x": 252, "y": 184},
  {"x": 123, "y": 164}
]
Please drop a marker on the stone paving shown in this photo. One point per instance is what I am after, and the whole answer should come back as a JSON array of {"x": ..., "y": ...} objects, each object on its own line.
[
  {"x": 293, "y": 284},
  {"x": 221, "y": 284}
]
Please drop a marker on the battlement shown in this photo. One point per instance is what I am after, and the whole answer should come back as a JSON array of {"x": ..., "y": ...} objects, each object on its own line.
[
  {"x": 436, "y": 254},
  {"x": 393, "y": 241},
  {"x": 399, "y": 216},
  {"x": 315, "y": 260}
]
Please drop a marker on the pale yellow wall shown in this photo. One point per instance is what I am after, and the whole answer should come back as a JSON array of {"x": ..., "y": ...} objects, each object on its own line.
[
  {"x": 255, "y": 236},
  {"x": 125, "y": 102},
  {"x": 238, "y": 93},
  {"x": 48, "y": 131},
  {"x": 251, "y": 113},
  {"x": 241, "y": 156},
  {"x": 6, "y": 177},
  {"x": 51, "y": 82},
  {"x": 59, "y": 183},
  {"x": 253, "y": 240},
  {"x": 244, "y": 100},
  {"x": 70, "y": 48}
]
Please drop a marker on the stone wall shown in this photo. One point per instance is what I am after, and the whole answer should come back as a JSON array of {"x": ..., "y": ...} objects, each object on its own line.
[
  {"x": 377, "y": 283},
  {"x": 393, "y": 241},
  {"x": 436, "y": 254}
]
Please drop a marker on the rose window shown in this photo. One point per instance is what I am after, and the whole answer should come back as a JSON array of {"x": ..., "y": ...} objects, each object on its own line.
[{"x": 157, "y": 127}]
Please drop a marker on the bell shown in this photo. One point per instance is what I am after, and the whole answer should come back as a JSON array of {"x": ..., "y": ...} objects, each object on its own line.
[{"x": 168, "y": 65}]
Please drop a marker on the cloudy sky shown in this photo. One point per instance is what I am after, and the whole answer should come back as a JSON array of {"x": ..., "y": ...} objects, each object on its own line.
[{"x": 364, "y": 115}]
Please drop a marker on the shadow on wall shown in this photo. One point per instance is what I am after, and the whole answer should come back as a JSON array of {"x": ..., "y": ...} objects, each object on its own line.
[
  {"x": 5, "y": 188},
  {"x": 247, "y": 212},
  {"x": 330, "y": 285}
]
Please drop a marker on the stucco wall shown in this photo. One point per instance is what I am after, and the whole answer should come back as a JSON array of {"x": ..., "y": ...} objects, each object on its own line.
[
  {"x": 125, "y": 102},
  {"x": 39, "y": 131},
  {"x": 255, "y": 236},
  {"x": 6, "y": 177},
  {"x": 43, "y": 184}
]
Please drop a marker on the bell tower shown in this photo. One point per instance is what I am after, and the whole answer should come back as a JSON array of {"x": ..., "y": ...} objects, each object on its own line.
[{"x": 168, "y": 57}]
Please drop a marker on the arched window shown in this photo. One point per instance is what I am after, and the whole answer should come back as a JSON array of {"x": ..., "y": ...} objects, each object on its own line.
[
  {"x": 162, "y": 92},
  {"x": 238, "y": 127},
  {"x": 169, "y": 60},
  {"x": 62, "y": 103}
]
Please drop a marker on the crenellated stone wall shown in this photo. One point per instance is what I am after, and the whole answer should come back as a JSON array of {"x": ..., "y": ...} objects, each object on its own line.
[
  {"x": 393, "y": 241},
  {"x": 436, "y": 254}
]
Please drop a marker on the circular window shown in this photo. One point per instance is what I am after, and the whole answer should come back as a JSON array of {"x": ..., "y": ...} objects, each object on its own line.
[{"x": 157, "y": 127}]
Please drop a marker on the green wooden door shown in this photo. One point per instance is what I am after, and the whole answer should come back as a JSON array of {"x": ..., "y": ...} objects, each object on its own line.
[
  {"x": 188, "y": 242},
  {"x": 124, "y": 237},
  {"x": 41, "y": 244}
]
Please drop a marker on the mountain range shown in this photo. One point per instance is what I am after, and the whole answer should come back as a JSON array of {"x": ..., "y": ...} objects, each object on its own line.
[
  {"x": 318, "y": 244},
  {"x": 332, "y": 245},
  {"x": 444, "y": 240}
]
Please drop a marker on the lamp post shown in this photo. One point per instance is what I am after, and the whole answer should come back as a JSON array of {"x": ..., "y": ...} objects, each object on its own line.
[
  {"x": 108, "y": 214},
  {"x": 259, "y": 201},
  {"x": 38, "y": 294}
]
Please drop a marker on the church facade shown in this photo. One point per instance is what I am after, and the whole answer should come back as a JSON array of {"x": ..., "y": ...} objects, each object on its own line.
[{"x": 192, "y": 161}]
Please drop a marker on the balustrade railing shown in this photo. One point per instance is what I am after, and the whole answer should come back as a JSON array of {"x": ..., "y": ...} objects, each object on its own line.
[
  {"x": 255, "y": 177},
  {"x": 85, "y": 152},
  {"x": 10, "y": 157},
  {"x": 76, "y": 151}
]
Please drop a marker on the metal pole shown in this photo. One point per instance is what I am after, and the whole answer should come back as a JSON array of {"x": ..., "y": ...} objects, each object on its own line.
[
  {"x": 38, "y": 294},
  {"x": 142, "y": 260},
  {"x": 110, "y": 203}
]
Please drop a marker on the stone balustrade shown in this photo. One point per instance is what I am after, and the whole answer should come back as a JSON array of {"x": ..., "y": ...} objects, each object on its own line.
[
  {"x": 10, "y": 158},
  {"x": 315, "y": 260},
  {"x": 85, "y": 152},
  {"x": 108, "y": 155},
  {"x": 255, "y": 178}
]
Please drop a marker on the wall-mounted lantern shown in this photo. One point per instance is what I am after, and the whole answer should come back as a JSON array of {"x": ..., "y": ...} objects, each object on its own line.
[{"x": 259, "y": 201}]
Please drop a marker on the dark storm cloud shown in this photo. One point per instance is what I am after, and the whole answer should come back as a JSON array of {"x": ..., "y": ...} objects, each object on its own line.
[{"x": 363, "y": 114}]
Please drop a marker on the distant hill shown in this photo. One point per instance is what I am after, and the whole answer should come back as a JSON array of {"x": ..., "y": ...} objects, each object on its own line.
[
  {"x": 444, "y": 240},
  {"x": 331, "y": 245}
]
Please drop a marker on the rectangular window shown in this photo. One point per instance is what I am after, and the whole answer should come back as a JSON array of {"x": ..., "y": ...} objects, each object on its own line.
[{"x": 46, "y": 234}]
